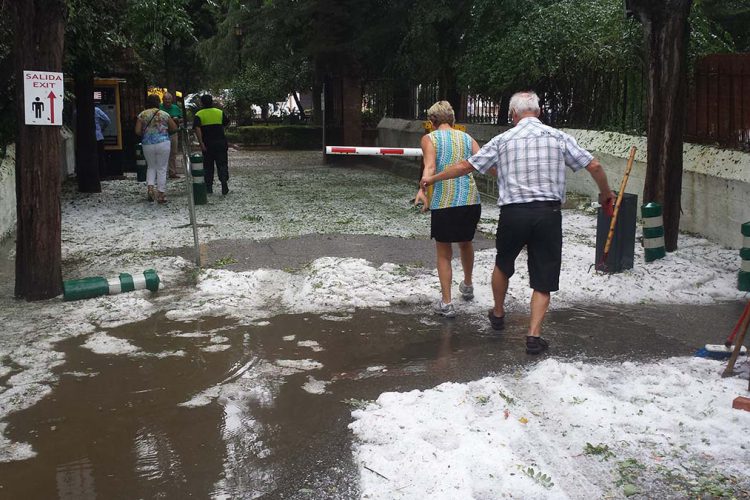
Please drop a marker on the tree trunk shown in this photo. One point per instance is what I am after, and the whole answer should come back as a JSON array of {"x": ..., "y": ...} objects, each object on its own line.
[
  {"x": 169, "y": 70},
  {"x": 38, "y": 153},
  {"x": 352, "y": 110},
  {"x": 299, "y": 105},
  {"x": 504, "y": 108},
  {"x": 87, "y": 166},
  {"x": 453, "y": 96},
  {"x": 317, "y": 89},
  {"x": 665, "y": 27}
]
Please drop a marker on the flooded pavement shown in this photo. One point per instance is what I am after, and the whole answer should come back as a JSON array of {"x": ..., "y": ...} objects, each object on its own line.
[{"x": 217, "y": 409}]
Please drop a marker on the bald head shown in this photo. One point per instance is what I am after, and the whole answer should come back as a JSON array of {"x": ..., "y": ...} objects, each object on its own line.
[{"x": 523, "y": 105}]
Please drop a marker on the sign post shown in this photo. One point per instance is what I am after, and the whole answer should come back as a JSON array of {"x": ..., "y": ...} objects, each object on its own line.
[{"x": 43, "y": 97}]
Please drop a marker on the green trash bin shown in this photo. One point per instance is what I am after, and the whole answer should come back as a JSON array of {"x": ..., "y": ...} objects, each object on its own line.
[
  {"x": 140, "y": 163},
  {"x": 743, "y": 277},
  {"x": 200, "y": 196},
  {"x": 653, "y": 232}
]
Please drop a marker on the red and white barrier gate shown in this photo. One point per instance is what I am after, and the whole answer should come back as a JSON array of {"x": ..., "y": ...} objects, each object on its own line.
[{"x": 370, "y": 151}]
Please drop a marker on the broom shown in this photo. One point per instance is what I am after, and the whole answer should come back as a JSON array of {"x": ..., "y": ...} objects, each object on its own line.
[{"x": 724, "y": 351}]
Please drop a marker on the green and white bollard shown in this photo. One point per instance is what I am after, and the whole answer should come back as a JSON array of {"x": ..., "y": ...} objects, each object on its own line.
[
  {"x": 653, "y": 232},
  {"x": 87, "y": 288},
  {"x": 743, "y": 277},
  {"x": 140, "y": 163},
  {"x": 200, "y": 196}
]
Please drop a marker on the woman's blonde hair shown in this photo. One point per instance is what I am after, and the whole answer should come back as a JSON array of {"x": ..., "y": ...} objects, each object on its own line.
[{"x": 441, "y": 112}]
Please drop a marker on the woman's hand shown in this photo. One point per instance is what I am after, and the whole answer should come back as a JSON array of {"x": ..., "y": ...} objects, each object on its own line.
[{"x": 421, "y": 197}]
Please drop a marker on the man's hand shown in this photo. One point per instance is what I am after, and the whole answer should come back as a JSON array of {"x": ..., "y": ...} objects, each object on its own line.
[
  {"x": 607, "y": 198},
  {"x": 426, "y": 181}
]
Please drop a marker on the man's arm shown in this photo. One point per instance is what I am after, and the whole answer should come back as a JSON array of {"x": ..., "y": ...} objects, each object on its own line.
[
  {"x": 104, "y": 118},
  {"x": 198, "y": 133},
  {"x": 199, "y": 136},
  {"x": 600, "y": 177},
  {"x": 456, "y": 170}
]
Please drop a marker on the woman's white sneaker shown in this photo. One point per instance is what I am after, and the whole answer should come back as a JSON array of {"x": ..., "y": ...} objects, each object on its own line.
[
  {"x": 446, "y": 310},
  {"x": 467, "y": 291}
]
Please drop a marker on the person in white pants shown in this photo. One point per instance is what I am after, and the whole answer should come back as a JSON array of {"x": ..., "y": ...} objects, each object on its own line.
[{"x": 154, "y": 126}]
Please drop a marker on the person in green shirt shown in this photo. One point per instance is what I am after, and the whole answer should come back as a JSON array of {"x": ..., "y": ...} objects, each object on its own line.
[{"x": 175, "y": 113}]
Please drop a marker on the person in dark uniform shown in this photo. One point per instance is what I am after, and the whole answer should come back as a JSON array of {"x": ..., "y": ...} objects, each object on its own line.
[{"x": 209, "y": 126}]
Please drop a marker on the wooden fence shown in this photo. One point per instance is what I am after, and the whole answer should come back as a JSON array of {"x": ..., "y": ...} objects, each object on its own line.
[{"x": 718, "y": 110}]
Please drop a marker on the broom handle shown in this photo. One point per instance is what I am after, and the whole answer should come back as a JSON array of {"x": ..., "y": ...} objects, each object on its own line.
[
  {"x": 731, "y": 337},
  {"x": 729, "y": 370},
  {"x": 619, "y": 201}
]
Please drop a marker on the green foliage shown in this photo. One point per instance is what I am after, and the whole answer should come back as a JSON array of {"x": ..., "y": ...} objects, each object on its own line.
[
  {"x": 281, "y": 136},
  {"x": 224, "y": 261},
  {"x": 93, "y": 34},
  {"x": 629, "y": 472},
  {"x": 701, "y": 484},
  {"x": 155, "y": 23},
  {"x": 482, "y": 400},
  {"x": 539, "y": 478},
  {"x": 7, "y": 81},
  {"x": 357, "y": 404},
  {"x": 602, "y": 450},
  {"x": 730, "y": 16},
  {"x": 558, "y": 42},
  {"x": 259, "y": 86},
  {"x": 252, "y": 218}
]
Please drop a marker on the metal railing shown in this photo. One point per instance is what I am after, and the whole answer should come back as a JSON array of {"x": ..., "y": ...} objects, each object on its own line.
[{"x": 185, "y": 140}]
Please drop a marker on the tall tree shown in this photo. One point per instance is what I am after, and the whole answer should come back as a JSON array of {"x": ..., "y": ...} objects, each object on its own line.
[
  {"x": 93, "y": 41},
  {"x": 665, "y": 28},
  {"x": 38, "y": 239}
]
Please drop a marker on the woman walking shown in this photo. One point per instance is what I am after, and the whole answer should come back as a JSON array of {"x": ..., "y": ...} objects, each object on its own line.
[
  {"x": 454, "y": 204},
  {"x": 154, "y": 126}
]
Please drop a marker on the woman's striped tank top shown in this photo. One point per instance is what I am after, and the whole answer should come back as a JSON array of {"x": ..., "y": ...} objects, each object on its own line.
[{"x": 452, "y": 146}]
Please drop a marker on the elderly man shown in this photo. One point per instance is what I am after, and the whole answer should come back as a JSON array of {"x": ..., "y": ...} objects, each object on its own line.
[
  {"x": 175, "y": 113},
  {"x": 530, "y": 159}
]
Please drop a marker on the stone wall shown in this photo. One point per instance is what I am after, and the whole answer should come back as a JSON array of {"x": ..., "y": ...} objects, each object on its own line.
[
  {"x": 715, "y": 185},
  {"x": 8, "y": 192}
]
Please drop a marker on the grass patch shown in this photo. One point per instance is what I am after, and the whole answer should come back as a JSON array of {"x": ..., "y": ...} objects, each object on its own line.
[
  {"x": 224, "y": 261},
  {"x": 357, "y": 404},
  {"x": 252, "y": 218}
]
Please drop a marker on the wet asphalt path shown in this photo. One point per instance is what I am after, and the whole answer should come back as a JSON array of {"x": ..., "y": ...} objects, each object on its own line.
[{"x": 113, "y": 427}]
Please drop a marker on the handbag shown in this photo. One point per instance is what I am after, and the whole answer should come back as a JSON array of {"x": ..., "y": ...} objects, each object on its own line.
[{"x": 143, "y": 130}]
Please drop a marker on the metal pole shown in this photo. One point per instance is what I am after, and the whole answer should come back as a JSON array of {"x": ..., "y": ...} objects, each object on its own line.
[
  {"x": 191, "y": 201},
  {"x": 323, "y": 112}
]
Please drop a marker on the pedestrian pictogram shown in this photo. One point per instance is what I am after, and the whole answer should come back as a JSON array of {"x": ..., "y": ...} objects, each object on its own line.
[{"x": 43, "y": 97}]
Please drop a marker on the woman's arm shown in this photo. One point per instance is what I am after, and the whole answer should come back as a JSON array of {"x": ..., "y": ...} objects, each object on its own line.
[
  {"x": 138, "y": 127},
  {"x": 428, "y": 168},
  {"x": 428, "y": 156},
  {"x": 171, "y": 126}
]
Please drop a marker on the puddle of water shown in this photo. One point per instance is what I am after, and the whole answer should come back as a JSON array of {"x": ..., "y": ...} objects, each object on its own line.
[{"x": 274, "y": 419}]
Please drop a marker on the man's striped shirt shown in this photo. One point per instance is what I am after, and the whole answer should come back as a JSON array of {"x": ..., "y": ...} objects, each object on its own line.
[{"x": 531, "y": 159}]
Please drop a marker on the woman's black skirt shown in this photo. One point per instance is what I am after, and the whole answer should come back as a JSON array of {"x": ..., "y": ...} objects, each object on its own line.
[{"x": 455, "y": 224}]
